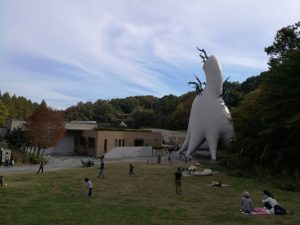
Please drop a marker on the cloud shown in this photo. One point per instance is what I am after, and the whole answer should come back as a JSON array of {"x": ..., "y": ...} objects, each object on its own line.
[{"x": 69, "y": 51}]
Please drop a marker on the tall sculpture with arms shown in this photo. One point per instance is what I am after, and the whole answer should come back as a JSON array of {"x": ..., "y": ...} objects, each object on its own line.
[{"x": 210, "y": 119}]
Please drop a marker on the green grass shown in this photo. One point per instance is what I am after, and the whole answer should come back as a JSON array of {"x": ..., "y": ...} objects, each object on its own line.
[{"x": 59, "y": 197}]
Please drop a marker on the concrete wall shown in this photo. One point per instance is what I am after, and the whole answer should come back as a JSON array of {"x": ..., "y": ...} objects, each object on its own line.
[{"x": 64, "y": 146}]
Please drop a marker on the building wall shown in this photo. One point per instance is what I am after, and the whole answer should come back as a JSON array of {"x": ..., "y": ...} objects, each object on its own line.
[
  {"x": 86, "y": 147},
  {"x": 64, "y": 146},
  {"x": 107, "y": 140},
  {"x": 148, "y": 138}
]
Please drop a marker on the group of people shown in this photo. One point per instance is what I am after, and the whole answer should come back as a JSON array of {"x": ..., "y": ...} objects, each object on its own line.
[
  {"x": 9, "y": 160},
  {"x": 88, "y": 182},
  {"x": 271, "y": 206}
]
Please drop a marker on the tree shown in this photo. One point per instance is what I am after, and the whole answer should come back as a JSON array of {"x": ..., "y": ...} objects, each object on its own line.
[
  {"x": 231, "y": 93},
  {"x": 267, "y": 121},
  {"x": 287, "y": 40},
  {"x": 45, "y": 127},
  {"x": 267, "y": 124},
  {"x": 180, "y": 117},
  {"x": 142, "y": 117},
  {"x": 3, "y": 114},
  {"x": 17, "y": 107},
  {"x": 103, "y": 111}
]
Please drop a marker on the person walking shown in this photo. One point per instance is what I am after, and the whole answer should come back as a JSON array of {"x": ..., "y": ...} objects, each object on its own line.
[
  {"x": 89, "y": 186},
  {"x": 41, "y": 168},
  {"x": 178, "y": 176},
  {"x": 131, "y": 167},
  {"x": 101, "y": 169}
]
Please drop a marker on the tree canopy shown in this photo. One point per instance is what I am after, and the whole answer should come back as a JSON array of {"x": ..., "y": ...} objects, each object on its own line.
[
  {"x": 44, "y": 128},
  {"x": 267, "y": 120}
]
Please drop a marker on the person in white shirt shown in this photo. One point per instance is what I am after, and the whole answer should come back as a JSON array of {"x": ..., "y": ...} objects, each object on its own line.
[
  {"x": 89, "y": 185},
  {"x": 271, "y": 204}
]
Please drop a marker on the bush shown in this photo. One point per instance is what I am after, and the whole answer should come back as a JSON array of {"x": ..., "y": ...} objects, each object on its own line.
[{"x": 36, "y": 160}]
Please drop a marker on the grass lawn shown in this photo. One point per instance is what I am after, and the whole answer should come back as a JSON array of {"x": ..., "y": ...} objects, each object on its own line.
[{"x": 59, "y": 197}]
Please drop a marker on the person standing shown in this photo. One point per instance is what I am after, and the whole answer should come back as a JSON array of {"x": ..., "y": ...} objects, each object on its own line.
[
  {"x": 11, "y": 161},
  {"x": 131, "y": 167},
  {"x": 178, "y": 176},
  {"x": 158, "y": 159},
  {"x": 41, "y": 168},
  {"x": 101, "y": 169},
  {"x": 1, "y": 181},
  {"x": 7, "y": 159},
  {"x": 89, "y": 186}
]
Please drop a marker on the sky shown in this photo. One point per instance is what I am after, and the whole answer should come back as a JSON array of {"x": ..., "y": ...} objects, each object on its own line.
[{"x": 67, "y": 51}]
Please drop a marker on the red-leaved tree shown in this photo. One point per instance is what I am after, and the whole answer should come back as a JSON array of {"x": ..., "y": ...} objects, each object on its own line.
[{"x": 44, "y": 128}]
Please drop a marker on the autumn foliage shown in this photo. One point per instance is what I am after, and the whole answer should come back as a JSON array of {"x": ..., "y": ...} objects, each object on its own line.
[{"x": 44, "y": 128}]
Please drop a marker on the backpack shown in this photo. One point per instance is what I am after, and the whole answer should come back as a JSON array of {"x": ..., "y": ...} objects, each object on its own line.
[{"x": 278, "y": 210}]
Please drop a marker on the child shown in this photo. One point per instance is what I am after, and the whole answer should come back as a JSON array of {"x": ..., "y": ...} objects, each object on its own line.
[
  {"x": 41, "y": 168},
  {"x": 131, "y": 169},
  {"x": 89, "y": 185},
  {"x": 246, "y": 203}
]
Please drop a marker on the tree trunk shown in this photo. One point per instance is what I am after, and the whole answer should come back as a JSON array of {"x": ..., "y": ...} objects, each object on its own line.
[{"x": 39, "y": 151}]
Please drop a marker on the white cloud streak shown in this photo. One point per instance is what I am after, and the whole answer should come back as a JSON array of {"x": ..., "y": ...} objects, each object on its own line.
[{"x": 110, "y": 42}]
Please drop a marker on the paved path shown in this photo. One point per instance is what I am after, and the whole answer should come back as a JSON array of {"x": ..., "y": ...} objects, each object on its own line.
[{"x": 56, "y": 162}]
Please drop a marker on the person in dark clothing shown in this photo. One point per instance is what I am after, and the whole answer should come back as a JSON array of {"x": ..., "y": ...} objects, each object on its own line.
[
  {"x": 178, "y": 176},
  {"x": 7, "y": 159},
  {"x": 41, "y": 168},
  {"x": 131, "y": 167},
  {"x": 1, "y": 181},
  {"x": 101, "y": 172}
]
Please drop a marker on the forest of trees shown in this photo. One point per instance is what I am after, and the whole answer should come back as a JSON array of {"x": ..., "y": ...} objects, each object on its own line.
[
  {"x": 265, "y": 111},
  {"x": 267, "y": 120},
  {"x": 13, "y": 107}
]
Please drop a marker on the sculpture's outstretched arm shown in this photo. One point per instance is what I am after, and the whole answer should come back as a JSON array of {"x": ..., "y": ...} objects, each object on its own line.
[{"x": 203, "y": 57}]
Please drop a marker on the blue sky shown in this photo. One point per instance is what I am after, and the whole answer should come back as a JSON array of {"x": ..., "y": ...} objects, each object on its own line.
[{"x": 66, "y": 51}]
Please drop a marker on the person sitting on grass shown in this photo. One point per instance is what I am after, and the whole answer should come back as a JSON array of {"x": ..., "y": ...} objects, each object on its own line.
[
  {"x": 246, "y": 203},
  {"x": 271, "y": 204}
]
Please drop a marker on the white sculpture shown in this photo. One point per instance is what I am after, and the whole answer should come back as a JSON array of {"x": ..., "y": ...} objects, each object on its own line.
[{"x": 210, "y": 119}]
